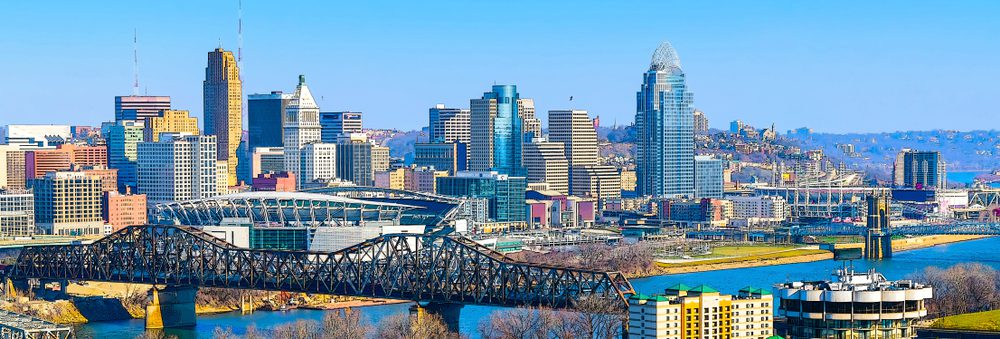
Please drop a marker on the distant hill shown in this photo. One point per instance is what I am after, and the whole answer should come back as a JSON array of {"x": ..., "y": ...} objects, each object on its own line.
[{"x": 963, "y": 151}]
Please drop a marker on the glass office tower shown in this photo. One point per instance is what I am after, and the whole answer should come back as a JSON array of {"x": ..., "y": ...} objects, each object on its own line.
[
  {"x": 664, "y": 123},
  {"x": 497, "y": 132}
]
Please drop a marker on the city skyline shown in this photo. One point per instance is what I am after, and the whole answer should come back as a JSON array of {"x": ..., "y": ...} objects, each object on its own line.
[{"x": 802, "y": 77}]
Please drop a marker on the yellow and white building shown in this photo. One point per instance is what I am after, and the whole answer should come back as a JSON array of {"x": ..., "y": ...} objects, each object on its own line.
[{"x": 701, "y": 312}]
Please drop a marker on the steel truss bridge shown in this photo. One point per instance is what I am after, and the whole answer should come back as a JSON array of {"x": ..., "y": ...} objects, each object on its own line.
[
  {"x": 959, "y": 228},
  {"x": 431, "y": 268}
]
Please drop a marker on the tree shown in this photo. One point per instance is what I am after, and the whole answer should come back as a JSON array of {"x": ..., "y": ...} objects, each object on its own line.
[
  {"x": 220, "y": 333},
  {"x": 345, "y": 323},
  {"x": 302, "y": 329}
]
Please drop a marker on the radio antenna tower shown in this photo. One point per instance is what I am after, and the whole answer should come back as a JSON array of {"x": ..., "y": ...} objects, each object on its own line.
[{"x": 135, "y": 61}]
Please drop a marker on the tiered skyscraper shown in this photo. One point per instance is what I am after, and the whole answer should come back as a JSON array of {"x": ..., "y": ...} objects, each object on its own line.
[
  {"x": 498, "y": 130},
  {"x": 664, "y": 122},
  {"x": 223, "y": 93},
  {"x": 301, "y": 128}
]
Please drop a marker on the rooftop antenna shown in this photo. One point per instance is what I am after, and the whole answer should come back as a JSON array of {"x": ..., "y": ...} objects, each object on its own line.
[{"x": 135, "y": 61}]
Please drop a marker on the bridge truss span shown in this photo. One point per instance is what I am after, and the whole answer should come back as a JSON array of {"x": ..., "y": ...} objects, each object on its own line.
[{"x": 433, "y": 268}]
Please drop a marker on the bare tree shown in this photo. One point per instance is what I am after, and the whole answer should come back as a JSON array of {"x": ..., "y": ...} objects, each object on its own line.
[
  {"x": 429, "y": 326},
  {"x": 223, "y": 333},
  {"x": 518, "y": 323},
  {"x": 599, "y": 318},
  {"x": 254, "y": 333},
  {"x": 302, "y": 329},
  {"x": 396, "y": 326},
  {"x": 345, "y": 323},
  {"x": 155, "y": 334}
]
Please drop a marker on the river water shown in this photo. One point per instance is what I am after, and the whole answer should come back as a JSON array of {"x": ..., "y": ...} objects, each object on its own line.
[{"x": 726, "y": 281}]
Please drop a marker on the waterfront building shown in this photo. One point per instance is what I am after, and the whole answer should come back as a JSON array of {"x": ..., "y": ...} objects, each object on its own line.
[
  {"x": 30, "y": 137},
  {"x": 122, "y": 138},
  {"x": 664, "y": 124},
  {"x": 65, "y": 156},
  {"x": 497, "y": 130},
  {"x": 505, "y": 194},
  {"x": 449, "y": 125},
  {"x": 275, "y": 182},
  {"x": 354, "y": 160},
  {"x": 265, "y": 119},
  {"x": 123, "y": 210},
  {"x": 223, "y": 99},
  {"x": 700, "y": 121},
  {"x": 601, "y": 182},
  {"x": 318, "y": 163},
  {"x": 17, "y": 214},
  {"x": 12, "y": 168},
  {"x": 68, "y": 203},
  {"x": 852, "y": 305},
  {"x": 339, "y": 124},
  {"x": 919, "y": 169},
  {"x": 179, "y": 167},
  {"x": 170, "y": 121},
  {"x": 545, "y": 162},
  {"x": 822, "y": 202},
  {"x": 449, "y": 157},
  {"x": 758, "y": 211},
  {"x": 380, "y": 158},
  {"x": 701, "y": 312},
  {"x": 140, "y": 107},
  {"x": 696, "y": 212},
  {"x": 708, "y": 177}
]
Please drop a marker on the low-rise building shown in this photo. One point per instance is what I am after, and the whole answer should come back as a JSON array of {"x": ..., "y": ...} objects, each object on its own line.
[
  {"x": 701, "y": 312},
  {"x": 279, "y": 182},
  {"x": 852, "y": 305}
]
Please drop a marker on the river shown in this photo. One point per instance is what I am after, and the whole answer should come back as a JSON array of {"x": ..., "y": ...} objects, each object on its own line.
[{"x": 726, "y": 281}]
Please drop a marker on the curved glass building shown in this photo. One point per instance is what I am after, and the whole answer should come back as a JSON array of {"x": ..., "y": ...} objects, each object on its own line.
[{"x": 664, "y": 122}]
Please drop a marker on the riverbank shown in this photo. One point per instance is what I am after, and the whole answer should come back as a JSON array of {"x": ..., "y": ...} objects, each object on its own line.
[{"x": 792, "y": 257}]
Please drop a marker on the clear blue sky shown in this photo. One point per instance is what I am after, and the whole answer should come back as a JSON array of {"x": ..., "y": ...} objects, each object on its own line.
[{"x": 835, "y": 66}]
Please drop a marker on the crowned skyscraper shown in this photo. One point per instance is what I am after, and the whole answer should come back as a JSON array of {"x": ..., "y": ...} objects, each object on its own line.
[
  {"x": 664, "y": 122},
  {"x": 223, "y": 93},
  {"x": 301, "y": 126}
]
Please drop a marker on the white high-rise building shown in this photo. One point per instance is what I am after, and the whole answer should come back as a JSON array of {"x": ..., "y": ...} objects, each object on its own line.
[
  {"x": 302, "y": 127},
  {"x": 180, "y": 167}
]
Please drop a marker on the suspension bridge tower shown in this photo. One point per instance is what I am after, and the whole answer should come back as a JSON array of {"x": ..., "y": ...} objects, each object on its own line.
[{"x": 878, "y": 240}]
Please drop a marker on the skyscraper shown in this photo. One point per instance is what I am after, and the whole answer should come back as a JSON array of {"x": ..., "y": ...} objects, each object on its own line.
[
  {"x": 664, "y": 123},
  {"x": 223, "y": 94},
  {"x": 575, "y": 130},
  {"x": 497, "y": 131},
  {"x": 301, "y": 128},
  {"x": 448, "y": 124},
  {"x": 265, "y": 113},
  {"x": 140, "y": 107},
  {"x": 354, "y": 161},
  {"x": 338, "y": 124}
]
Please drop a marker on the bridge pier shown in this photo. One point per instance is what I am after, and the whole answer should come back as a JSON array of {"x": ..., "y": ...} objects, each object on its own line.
[
  {"x": 171, "y": 306},
  {"x": 449, "y": 312}
]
